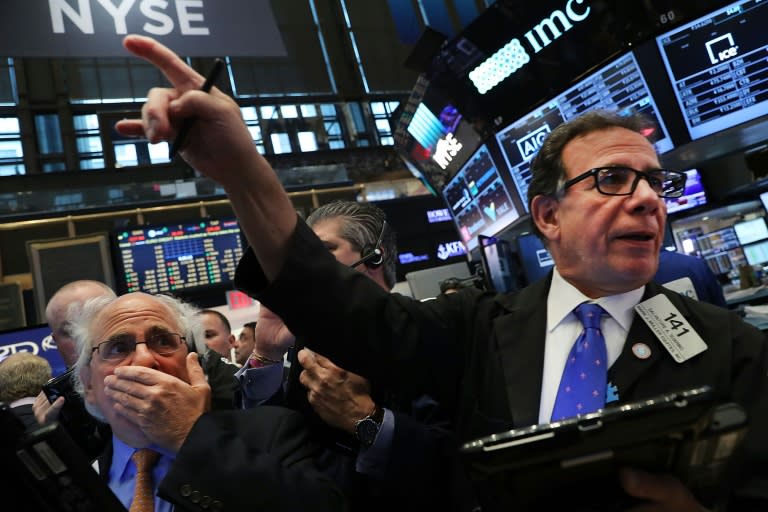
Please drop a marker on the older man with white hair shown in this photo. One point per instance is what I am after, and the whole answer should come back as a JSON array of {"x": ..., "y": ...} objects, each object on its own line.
[{"x": 136, "y": 373}]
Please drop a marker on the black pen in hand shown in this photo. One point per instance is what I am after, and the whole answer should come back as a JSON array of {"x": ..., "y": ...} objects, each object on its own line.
[{"x": 218, "y": 65}]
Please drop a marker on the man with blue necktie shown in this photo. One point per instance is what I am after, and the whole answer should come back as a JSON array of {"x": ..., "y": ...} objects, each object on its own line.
[{"x": 496, "y": 362}]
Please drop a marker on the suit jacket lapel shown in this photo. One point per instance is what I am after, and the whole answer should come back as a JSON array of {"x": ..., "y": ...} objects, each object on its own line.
[
  {"x": 105, "y": 460},
  {"x": 520, "y": 335}
]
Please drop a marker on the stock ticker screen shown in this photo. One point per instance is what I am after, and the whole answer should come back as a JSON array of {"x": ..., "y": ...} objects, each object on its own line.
[
  {"x": 718, "y": 67},
  {"x": 176, "y": 257},
  {"x": 619, "y": 86},
  {"x": 480, "y": 202}
]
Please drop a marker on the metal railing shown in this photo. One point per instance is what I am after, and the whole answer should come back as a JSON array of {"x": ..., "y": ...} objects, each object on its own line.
[{"x": 139, "y": 212}]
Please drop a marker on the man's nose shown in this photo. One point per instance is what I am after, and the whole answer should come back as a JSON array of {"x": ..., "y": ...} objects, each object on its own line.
[
  {"x": 143, "y": 356},
  {"x": 644, "y": 198}
]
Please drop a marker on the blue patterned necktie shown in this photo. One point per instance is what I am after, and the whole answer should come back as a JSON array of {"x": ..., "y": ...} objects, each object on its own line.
[{"x": 582, "y": 386}]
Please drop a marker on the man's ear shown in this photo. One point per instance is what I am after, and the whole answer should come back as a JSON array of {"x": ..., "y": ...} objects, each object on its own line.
[
  {"x": 544, "y": 213},
  {"x": 85, "y": 378}
]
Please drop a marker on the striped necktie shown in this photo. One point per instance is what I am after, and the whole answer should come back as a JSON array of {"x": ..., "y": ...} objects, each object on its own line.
[
  {"x": 143, "y": 493},
  {"x": 582, "y": 386}
]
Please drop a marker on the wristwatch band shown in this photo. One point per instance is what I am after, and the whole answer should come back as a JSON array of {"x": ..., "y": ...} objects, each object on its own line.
[{"x": 367, "y": 428}]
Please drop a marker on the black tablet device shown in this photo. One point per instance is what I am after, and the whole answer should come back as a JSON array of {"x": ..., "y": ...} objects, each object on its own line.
[
  {"x": 47, "y": 472},
  {"x": 575, "y": 461}
]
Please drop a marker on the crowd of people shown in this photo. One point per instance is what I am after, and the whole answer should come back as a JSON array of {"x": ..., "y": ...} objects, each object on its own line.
[{"x": 345, "y": 396}]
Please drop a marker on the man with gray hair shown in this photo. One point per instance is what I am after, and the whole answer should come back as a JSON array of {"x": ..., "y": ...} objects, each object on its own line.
[
  {"x": 389, "y": 446},
  {"x": 136, "y": 373},
  {"x": 61, "y": 308}
]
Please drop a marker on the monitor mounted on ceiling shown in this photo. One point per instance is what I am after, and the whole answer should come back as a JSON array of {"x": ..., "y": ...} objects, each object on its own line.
[
  {"x": 617, "y": 86},
  {"x": 716, "y": 64},
  {"x": 182, "y": 259},
  {"x": 479, "y": 199}
]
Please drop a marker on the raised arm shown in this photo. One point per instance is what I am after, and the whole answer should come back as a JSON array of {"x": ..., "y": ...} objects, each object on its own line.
[{"x": 219, "y": 146}]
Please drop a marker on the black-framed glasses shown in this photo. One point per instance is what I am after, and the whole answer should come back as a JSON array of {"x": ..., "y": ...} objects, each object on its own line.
[
  {"x": 622, "y": 181},
  {"x": 121, "y": 346}
]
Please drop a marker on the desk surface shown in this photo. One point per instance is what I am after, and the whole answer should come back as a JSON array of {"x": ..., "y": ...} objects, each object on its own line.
[{"x": 756, "y": 293}]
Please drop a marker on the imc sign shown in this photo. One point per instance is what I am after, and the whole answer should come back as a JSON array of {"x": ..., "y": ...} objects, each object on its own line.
[
  {"x": 513, "y": 55},
  {"x": 95, "y": 28}
]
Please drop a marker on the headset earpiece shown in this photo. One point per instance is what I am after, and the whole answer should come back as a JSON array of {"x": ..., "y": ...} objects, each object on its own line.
[
  {"x": 373, "y": 254},
  {"x": 376, "y": 256}
]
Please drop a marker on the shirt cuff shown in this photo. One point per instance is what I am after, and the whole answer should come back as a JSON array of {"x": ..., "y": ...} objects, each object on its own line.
[
  {"x": 259, "y": 384},
  {"x": 373, "y": 461}
]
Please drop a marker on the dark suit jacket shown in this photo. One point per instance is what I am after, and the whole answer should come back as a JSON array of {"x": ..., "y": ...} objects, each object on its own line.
[
  {"x": 481, "y": 355},
  {"x": 255, "y": 459},
  {"x": 26, "y": 415},
  {"x": 413, "y": 480}
]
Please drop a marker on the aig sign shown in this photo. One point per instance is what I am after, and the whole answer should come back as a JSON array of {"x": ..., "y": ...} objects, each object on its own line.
[
  {"x": 95, "y": 28},
  {"x": 530, "y": 144}
]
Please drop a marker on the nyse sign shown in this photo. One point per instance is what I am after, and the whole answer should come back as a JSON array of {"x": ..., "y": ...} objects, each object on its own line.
[
  {"x": 159, "y": 16},
  {"x": 95, "y": 28}
]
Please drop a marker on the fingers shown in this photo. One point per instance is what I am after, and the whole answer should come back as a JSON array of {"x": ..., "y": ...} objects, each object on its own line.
[
  {"x": 135, "y": 373},
  {"x": 307, "y": 358},
  {"x": 311, "y": 360},
  {"x": 322, "y": 361},
  {"x": 154, "y": 114},
  {"x": 155, "y": 124},
  {"x": 54, "y": 410},
  {"x": 664, "y": 490},
  {"x": 195, "y": 371},
  {"x": 132, "y": 386},
  {"x": 175, "y": 70},
  {"x": 45, "y": 411}
]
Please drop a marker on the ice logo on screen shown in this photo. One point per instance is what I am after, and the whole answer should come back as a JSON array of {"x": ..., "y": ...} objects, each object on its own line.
[
  {"x": 531, "y": 143},
  {"x": 721, "y": 48},
  {"x": 494, "y": 70}
]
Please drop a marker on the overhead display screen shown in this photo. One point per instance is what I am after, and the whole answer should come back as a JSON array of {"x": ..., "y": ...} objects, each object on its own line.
[
  {"x": 433, "y": 135},
  {"x": 516, "y": 54},
  {"x": 718, "y": 66},
  {"x": 479, "y": 200},
  {"x": 619, "y": 86},
  {"x": 176, "y": 257}
]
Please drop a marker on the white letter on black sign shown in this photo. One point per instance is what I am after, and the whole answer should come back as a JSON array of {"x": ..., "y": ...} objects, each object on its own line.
[
  {"x": 81, "y": 19},
  {"x": 573, "y": 14},
  {"x": 118, "y": 14},
  {"x": 165, "y": 22},
  {"x": 182, "y": 7}
]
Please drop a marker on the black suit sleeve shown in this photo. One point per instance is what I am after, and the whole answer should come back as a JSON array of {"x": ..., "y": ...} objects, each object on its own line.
[{"x": 254, "y": 459}]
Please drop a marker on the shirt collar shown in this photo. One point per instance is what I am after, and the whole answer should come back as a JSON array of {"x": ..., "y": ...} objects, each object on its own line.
[
  {"x": 620, "y": 306},
  {"x": 28, "y": 400},
  {"x": 122, "y": 453}
]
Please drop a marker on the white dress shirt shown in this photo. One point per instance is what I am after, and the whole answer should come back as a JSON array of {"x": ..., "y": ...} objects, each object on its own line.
[{"x": 563, "y": 328}]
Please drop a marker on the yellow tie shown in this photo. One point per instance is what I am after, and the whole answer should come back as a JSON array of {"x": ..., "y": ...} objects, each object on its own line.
[{"x": 143, "y": 494}]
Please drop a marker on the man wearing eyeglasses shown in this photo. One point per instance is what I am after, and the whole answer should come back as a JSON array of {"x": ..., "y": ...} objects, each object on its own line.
[
  {"x": 495, "y": 362},
  {"x": 135, "y": 373}
]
